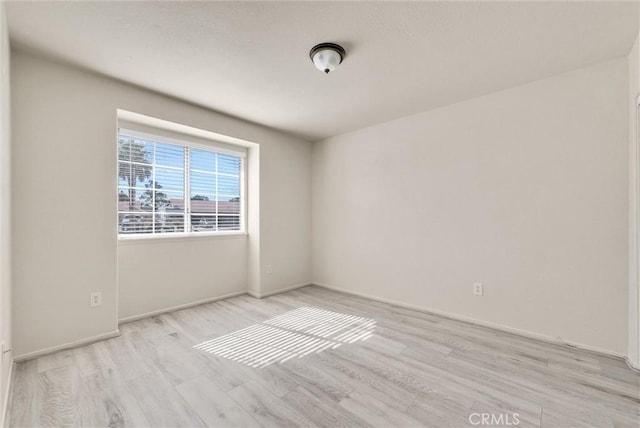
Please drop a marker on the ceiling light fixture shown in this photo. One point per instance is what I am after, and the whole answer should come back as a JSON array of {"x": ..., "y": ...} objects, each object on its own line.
[{"x": 327, "y": 56}]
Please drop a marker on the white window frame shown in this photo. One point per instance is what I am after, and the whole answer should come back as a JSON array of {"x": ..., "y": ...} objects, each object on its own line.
[{"x": 190, "y": 143}]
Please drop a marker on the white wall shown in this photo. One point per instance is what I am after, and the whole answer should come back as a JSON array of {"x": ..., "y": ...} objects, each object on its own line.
[
  {"x": 633, "y": 61},
  {"x": 169, "y": 272},
  {"x": 64, "y": 133},
  {"x": 285, "y": 217},
  {"x": 524, "y": 190},
  {"x": 5, "y": 211}
]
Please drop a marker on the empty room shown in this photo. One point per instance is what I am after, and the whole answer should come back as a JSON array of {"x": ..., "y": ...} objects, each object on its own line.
[{"x": 320, "y": 214}]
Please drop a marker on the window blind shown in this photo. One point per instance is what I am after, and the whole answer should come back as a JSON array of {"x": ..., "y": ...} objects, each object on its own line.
[{"x": 170, "y": 186}]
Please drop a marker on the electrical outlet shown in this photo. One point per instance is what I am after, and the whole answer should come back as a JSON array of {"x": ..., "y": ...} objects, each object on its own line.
[
  {"x": 269, "y": 269},
  {"x": 478, "y": 289},
  {"x": 96, "y": 299}
]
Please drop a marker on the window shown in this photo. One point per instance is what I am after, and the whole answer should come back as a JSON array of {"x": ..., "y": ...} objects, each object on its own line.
[{"x": 169, "y": 186}]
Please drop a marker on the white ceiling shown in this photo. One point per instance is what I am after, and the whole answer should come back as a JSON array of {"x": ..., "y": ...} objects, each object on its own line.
[{"x": 251, "y": 59}]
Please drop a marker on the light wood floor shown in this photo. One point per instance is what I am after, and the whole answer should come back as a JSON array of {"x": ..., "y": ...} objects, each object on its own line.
[{"x": 406, "y": 368}]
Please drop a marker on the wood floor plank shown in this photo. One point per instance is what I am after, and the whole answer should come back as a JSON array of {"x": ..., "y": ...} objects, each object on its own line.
[
  {"x": 375, "y": 412},
  {"x": 124, "y": 351},
  {"x": 313, "y": 376},
  {"x": 440, "y": 409},
  {"x": 213, "y": 405},
  {"x": 559, "y": 416},
  {"x": 26, "y": 400},
  {"x": 321, "y": 412},
  {"x": 266, "y": 408},
  {"x": 111, "y": 403},
  {"x": 360, "y": 377},
  {"x": 162, "y": 404}
]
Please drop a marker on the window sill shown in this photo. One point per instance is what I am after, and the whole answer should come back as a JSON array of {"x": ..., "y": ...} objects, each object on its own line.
[{"x": 173, "y": 237}]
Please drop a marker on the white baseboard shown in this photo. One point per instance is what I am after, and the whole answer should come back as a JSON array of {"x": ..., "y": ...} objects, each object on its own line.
[
  {"x": 524, "y": 333},
  {"x": 178, "y": 307},
  {"x": 70, "y": 345},
  {"x": 278, "y": 291},
  {"x": 632, "y": 366},
  {"x": 7, "y": 396}
]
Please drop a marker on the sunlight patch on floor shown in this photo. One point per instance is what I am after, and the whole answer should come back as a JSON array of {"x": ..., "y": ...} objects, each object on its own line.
[{"x": 293, "y": 334}]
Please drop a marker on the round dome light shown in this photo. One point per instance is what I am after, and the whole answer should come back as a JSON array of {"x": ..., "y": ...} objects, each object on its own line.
[{"x": 327, "y": 56}]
